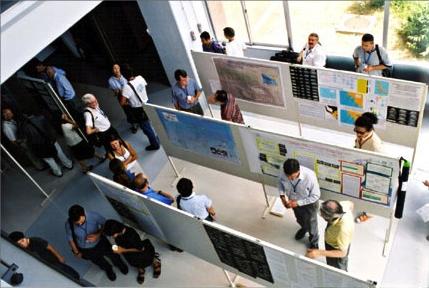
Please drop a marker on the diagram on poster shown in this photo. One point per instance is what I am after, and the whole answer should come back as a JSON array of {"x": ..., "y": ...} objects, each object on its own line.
[
  {"x": 328, "y": 95},
  {"x": 202, "y": 136},
  {"x": 253, "y": 82},
  {"x": 304, "y": 83},
  {"x": 351, "y": 99},
  {"x": 348, "y": 117}
]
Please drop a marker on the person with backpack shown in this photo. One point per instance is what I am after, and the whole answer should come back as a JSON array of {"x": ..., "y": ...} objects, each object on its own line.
[{"x": 370, "y": 58}]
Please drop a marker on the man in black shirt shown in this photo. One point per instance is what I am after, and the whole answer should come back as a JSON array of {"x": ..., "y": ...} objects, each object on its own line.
[{"x": 44, "y": 250}]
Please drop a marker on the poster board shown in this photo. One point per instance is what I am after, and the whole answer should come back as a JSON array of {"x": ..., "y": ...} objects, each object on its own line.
[
  {"x": 247, "y": 256},
  {"x": 325, "y": 159},
  {"x": 324, "y": 97}
]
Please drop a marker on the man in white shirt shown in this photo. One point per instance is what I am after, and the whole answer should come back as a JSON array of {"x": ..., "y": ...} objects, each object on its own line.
[
  {"x": 233, "y": 47},
  {"x": 134, "y": 94},
  {"x": 312, "y": 54}
]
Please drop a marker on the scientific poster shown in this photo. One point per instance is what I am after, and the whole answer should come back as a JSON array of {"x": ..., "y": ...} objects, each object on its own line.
[
  {"x": 304, "y": 83},
  {"x": 328, "y": 95},
  {"x": 253, "y": 82},
  {"x": 312, "y": 110},
  {"x": 199, "y": 135},
  {"x": 405, "y": 96},
  {"x": 351, "y": 185},
  {"x": 348, "y": 117},
  {"x": 351, "y": 99}
]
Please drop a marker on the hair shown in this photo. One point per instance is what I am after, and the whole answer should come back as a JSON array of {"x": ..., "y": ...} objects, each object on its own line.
[
  {"x": 205, "y": 35},
  {"x": 87, "y": 98},
  {"x": 313, "y": 34},
  {"x": 138, "y": 185},
  {"x": 367, "y": 38},
  {"x": 228, "y": 32},
  {"x": 184, "y": 187},
  {"x": 116, "y": 166},
  {"x": 16, "y": 236},
  {"x": 128, "y": 71},
  {"x": 119, "y": 175},
  {"x": 221, "y": 96},
  {"x": 112, "y": 227},
  {"x": 367, "y": 120},
  {"x": 75, "y": 212},
  {"x": 331, "y": 209},
  {"x": 291, "y": 166},
  {"x": 180, "y": 73}
]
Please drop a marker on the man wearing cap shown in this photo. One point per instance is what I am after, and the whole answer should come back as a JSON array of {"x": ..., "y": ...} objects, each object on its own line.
[
  {"x": 338, "y": 233},
  {"x": 299, "y": 190}
]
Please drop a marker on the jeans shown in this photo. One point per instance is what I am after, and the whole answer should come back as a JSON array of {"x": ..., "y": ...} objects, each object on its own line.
[{"x": 149, "y": 132}]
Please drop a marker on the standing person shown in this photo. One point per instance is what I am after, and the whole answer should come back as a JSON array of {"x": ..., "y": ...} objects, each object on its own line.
[
  {"x": 366, "y": 138},
  {"x": 41, "y": 138},
  {"x": 229, "y": 110},
  {"x": 84, "y": 235},
  {"x": 123, "y": 151},
  {"x": 141, "y": 184},
  {"x": 117, "y": 82},
  {"x": 210, "y": 45},
  {"x": 312, "y": 54},
  {"x": 234, "y": 47},
  {"x": 97, "y": 124},
  {"x": 134, "y": 94},
  {"x": 10, "y": 126},
  {"x": 185, "y": 93},
  {"x": 81, "y": 149},
  {"x": 370, "y": 58},
  {"x": 198, "y": 205},
  {"x": 338, "y": 233},
  {"x": 120, "y": 174},
  {"x": 44, "y": 250},
  {"x": 138, "y": 253},
  {"x": 300, "y": 191}
]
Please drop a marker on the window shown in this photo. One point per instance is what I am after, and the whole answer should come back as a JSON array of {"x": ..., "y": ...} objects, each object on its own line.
[{"x": 267, "y": 22}]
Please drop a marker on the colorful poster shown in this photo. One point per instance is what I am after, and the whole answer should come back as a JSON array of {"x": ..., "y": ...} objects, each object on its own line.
[
  {"x": 362, "y": 86},
  {"x": 381, "y": 87},
  {"x": 348, "y": 117},
  {"x": 351, "y": 185},
  {"x": 351, "y": 99},
  {"x": 352, "y": 168},
  {"x": 253, "y": 82},
  {"x": 199, "y": 135},
  {"x": 378, "y": 183},
  {"x": 328, "y": 95},
  {"x": 375, "y": 197}
]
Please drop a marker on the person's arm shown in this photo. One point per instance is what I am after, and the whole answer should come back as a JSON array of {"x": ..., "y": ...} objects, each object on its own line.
[
  {"x": 356, "y": 58},
  {"x": 282, "y": 192},
  {"x": 133, "y": 154},
  {"x": 211, "y": 211},
  {"x": 315, "y": 253},
  {"x": 74, "y": 249},
  {"x": 89, "y": 123},
  {"x": 100, "y": 220},
  {"x": 56, "y": 253},
  {"x": 89, "y": 130},
  {"x": 122, "y": 250},
  {"x": 175, "y": 100},
  {"x": 167, "y": 194},
  {"x": 123, "y": 101},
  {"x": 370, "y": 68}
]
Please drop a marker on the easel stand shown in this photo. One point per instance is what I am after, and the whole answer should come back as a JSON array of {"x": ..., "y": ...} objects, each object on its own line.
[
  {"x": 178, "y": 174},
  {"x": 232, "y": 283}
]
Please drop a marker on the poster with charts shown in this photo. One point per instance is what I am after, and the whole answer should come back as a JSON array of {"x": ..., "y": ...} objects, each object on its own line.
[
  {"x": 348, "y": 117},
  {"x": 202, "y": 136},
  {"x": 249, "y": 81}
]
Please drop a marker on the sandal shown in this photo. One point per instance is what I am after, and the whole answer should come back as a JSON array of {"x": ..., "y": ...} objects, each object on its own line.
[
  {"x": 156, "y": 264},
  {"x": 140, "y": 276}
]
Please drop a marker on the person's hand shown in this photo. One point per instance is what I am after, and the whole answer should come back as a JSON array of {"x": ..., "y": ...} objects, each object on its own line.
[
  {"x": 92, "y": 237},
  {"x": 191, "y": 99},
  {"x": 426, "y": 183},
  {"x": 78, "y": 255},
  {"x": 292, "y": 204},
  {"x": 120, "y": 250},
  {"x": 312, "y": 253},
  {"x": 61, "y": 259},
  {"x": 368, "y": 68}
]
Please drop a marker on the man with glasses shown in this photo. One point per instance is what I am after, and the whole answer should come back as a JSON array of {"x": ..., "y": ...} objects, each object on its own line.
[
  {"x": 299, "y": 190},
  {"x": 366, "y": 138},
  {"x": 338, "y": 233},
  {"x": 84, "y": 234}
]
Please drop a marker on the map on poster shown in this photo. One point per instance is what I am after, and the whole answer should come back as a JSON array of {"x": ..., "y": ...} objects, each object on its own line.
[
  {"x": 202, "y": 136},
  {"x": 253, "y": 82},
  {"x": 351, "y": 99},
  {"x": 348, "y": 117}
]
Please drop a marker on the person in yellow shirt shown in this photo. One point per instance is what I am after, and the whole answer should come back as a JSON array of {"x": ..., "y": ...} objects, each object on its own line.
[{"x": 338, "y": 233}]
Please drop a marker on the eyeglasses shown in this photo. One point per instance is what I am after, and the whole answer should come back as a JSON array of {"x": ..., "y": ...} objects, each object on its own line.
[{"x": 359, "y": 132}]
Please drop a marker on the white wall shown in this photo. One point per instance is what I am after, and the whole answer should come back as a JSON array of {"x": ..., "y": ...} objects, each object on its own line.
[{"x": 29, "y": 26}]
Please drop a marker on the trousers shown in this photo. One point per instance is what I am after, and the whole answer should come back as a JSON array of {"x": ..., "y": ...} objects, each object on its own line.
[
  {"x": 340, "y": 263},
  {"x": 306, "y": 216}
]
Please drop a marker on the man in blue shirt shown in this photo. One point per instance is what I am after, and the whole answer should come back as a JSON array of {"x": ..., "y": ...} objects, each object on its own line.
[
  {"x": 141, "y": 185},
  {"x": 210, "y": 45},
  {"x": 185, "y": 93},
  {"x": 84, "y": 234}
]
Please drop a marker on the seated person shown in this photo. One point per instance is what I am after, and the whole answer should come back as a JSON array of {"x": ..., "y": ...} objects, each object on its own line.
[
  {"x": 370, "y": 58},
  {"x": 312, "y": 54},
  {"x": 138, "y": 253},
  {"x": 198, "y": 205},
  {"x": 120, "y": 174},
  {"x": 366, "y": 138},
  {"x": 141, "y": 184},
  {"x": 210, "y": 45},
  {"x": 229, "y": 110},
  {"x": 44, "y": 250}
]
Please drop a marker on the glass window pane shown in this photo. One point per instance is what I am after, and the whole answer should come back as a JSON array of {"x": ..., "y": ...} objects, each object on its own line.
[
  {"x": 267, "y": 22},
  {"x": 228, "y": 14},
  {"x": 338, "y": 23}
]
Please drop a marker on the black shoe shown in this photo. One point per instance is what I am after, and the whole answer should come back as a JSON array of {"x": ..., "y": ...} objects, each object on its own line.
[
  {"x": 151, "y": 148},
  {"x": 300, "y": 234},
  {"x": 123, "y": 268},
  {"x": 314, "y": 246},
  {"x": 111, "y": 275}
]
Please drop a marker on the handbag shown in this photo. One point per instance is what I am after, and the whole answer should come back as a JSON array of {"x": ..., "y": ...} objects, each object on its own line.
[{"x": 93, "y": 138}]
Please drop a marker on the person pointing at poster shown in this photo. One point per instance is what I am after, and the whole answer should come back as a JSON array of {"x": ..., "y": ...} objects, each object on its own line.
[{"x": 299, "y": 190}]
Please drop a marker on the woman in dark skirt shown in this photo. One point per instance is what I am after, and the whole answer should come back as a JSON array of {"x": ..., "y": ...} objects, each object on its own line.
[
  {"x": 81, "y": 149},
  {"x": 138, "y": 253}
]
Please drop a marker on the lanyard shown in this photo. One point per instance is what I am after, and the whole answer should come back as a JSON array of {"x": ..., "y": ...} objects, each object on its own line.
[
  {"x": 294, "y": 186},
  {"x": 366, "y": 59},
  {"x": 308, "y": 52}
]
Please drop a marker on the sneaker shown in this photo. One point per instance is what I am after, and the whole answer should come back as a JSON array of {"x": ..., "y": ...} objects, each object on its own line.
[
  {"x": 300, "y": 234},
  {"x": 123, "y": 268},
  {"x": 111, "y": 275},
  {"x": 151, "y": 148},
  {"x": 69, "y": 168}
]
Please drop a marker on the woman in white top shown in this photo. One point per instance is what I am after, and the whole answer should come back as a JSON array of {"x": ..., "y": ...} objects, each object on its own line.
[
  {"x": 123, "y": 151},
  {"x": 365, "y": 135}
]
